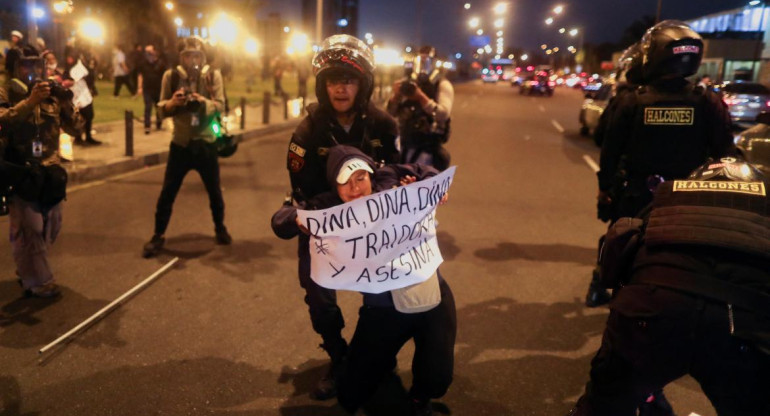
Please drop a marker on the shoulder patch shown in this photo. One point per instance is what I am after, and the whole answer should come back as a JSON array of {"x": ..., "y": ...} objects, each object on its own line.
[
  {"x": 749, "y": 188},
  {"x": 323, "y": 151},
  {"x": 671, "y": 116},
  {"x": 295, "y": 162},
  {"x": 376, "y": 143},
  {"x": 295, "y": 148}
]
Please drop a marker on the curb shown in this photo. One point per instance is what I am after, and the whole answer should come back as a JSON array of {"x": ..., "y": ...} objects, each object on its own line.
[{"x": 126, "y": 164}]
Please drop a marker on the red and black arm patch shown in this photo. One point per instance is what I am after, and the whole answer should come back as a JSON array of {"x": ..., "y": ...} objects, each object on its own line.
[{"x": 295, "y": 160}]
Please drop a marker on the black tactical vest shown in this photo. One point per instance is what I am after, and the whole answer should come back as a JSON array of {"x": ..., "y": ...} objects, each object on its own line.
[{"x": 669, "y": 136}]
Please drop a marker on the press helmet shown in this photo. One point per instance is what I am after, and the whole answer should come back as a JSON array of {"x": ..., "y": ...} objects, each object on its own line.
[
  {"x": 344, "y": 55},
  {"x": 192, "y": 55},
  {"x": 727, "y": 169},
  {"x": 671, "y": 49},
  {"x": 630, "y": 65},
  {"x": 29, "y": 66}
]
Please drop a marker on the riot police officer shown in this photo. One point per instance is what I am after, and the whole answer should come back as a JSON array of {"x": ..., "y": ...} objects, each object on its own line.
[
  {"x": 344, "y": 71},
  {"x": 629, "y": 78},
  {"x": 32, "y": 112},
  {"x": 694, "y": 296},
  {"x": 191, "y": 93},
  {"x": 422, "y": 102},
  {"x": 666, "y": 128}
]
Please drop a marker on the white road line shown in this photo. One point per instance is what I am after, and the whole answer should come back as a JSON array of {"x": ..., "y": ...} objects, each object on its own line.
[
  {"x": 76, "y": 188},
  {"x": 541, "y": 108},
  {"x": 557, "y": 125},
  {"x": 694, "y": 414},
  {"x": 591, "y": 163}
]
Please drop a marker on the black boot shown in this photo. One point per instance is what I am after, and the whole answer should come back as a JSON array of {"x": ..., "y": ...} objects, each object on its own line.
[
  {"x": 222, "y": 236},
  {"x": 421, "y": 407},
  {"x": 152, "y": 247},
  {"x": 327, "y": 387},
  {"x": 597, "y": 295}
]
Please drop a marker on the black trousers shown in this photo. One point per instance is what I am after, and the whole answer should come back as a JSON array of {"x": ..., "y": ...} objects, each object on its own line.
[
  {"x": 151, "y": 99},
  {"x": 88, "y": 115},
  {"x": 123, "y": 80},
  {"x": 202, "y": 158},
  {"x": 325, "y": 315},
  {"x": 380, "y": 334},
  {"x": 656, "y": 335}
]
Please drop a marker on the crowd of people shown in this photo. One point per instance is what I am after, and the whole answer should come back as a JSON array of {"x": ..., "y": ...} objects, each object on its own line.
[{"x": 690, "y": 285}]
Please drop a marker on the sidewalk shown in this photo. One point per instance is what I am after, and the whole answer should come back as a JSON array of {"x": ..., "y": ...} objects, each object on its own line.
[{"x": 93, "y": 163}]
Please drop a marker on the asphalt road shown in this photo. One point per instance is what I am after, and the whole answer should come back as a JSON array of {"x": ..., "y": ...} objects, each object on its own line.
[{"x": 226, "y": 332}]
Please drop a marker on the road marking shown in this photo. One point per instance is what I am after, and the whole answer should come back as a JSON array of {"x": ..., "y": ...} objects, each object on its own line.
[
  {"x": 113, "y": 178},
  {"x": 694, "y": 414},
  {"x": 541, "y": 108},
  {"x": 591, "y": 163},
  {"x": 557, "y": 125},
  {"x": 588, "y": 349}
]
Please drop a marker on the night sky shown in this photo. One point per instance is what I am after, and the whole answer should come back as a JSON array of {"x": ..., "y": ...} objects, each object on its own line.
[{"x": 444, "y": 22}]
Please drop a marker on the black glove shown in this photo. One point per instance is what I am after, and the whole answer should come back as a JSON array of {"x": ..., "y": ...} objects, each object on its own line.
[{"x": 604, "y": 211}]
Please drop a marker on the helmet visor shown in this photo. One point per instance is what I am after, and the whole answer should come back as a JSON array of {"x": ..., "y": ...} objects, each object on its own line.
[{"x": 344, "y": 48}]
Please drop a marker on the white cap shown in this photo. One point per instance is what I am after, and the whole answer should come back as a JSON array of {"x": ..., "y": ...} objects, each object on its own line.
[
  {"x": 17, "y": 34},
  {"x": 350, "y": 167}
]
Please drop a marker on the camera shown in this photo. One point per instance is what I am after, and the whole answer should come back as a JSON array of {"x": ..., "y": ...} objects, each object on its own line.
[
  {"x": 408, "y": 88},
  {"x": 57, "y": 90},
  {"x": 191, "y": 105}
]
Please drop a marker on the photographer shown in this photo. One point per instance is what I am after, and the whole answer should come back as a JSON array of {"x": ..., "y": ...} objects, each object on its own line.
[
  {"x": 192, "y": 94},
  {"x": 422, "y": 103},
  {"x": 32, "y": 112}
]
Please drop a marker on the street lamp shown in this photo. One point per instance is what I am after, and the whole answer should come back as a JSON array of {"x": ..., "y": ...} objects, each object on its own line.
[
  {"x": 480, "y": 32},
  {"x": 474, "y": 22},
  {"x": 500, "y": 8},
  {"x": 169, "y": 6},
  {"x": 467, "y": 6},
  {"x": 549, "y": 21},
  {"x": 499, "y": 23},
  {"x": 178, "y": 21},
  {"x": 524, "y": 57},
  {"x": 558, "y": 9}
]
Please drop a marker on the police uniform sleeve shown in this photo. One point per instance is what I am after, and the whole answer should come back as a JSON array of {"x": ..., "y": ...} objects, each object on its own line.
[
  {"x": 284, "y": 222},
  {"x": 619, "y": 126},
  {"x": 721, "y": 140},
  {"x": 388, "y": 133},
  {"x": 389, "y": 176},
  {"x": 300, "y": 174}
]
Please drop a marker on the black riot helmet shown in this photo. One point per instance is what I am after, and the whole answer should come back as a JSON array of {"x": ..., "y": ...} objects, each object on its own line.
[
  {"x": 344, "y": 56},
  {"x": 29, "y": 67},
  {"x": 192, "y": 56},
  {"x": 226, "y": 144},
  {"x": 630, "y": 65},
  {"x": 727, "y": 169},
  {"x": 671, "y": 49}
]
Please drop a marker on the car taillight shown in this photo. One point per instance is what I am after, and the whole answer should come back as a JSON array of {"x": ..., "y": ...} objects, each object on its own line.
[
  {"x": 535, "y": 83},
  {"x": 551, "y": 83},
  {"x": 767, "y": 104}
]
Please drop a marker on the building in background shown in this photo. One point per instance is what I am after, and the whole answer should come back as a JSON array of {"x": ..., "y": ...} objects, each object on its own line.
[{"x": 735, "y": 44}]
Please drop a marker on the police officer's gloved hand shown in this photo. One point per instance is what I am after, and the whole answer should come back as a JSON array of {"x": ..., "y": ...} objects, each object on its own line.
[{"x": 603, "y": 206}]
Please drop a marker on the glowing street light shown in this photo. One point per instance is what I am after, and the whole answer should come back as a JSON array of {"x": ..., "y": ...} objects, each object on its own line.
[
  {"x": 38, "y": 13},
  {"x": 178, "y": 21},
  {"x": 499, "y": 23},
  {"x": 562, "y": 30},
  {"x": 224, "y": 29},
  {"x": 467, "y": 6},
  {"x": 556, "y": 49},
  {"x": 500, "y": 8},
  {"x": 92, "y": 29},
  {"x": 64, "y": 6},
  {"x": 573, "y": 32},
  {"x": 480, "y": 51},
  {"x": 480, "y": 32},
  {"x": 474, "y": 22},
  {"x": 251, "y": 46},
  {"x": 524, "y": 57},
  {"x": 299, "y": 44},
  {"x": 558, "y": 9},
  {"x": 510, "y": 56},
  {"x": 549, "y": 20},
  {"x": 169, "y": 6},
  {"x": 544, "y": 46},
  {"x": 286, "y": 29}
]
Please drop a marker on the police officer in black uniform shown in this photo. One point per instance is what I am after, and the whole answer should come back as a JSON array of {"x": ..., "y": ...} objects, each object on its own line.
[
  {"x": 422, "y": 102},
  {"x": 344, "y": 115},
  {"x": 33, "y": 111},
  {"x": 694, "y": 296},
  {"x": 666, "y": 128},
  {"x": 629, "y": 78}
]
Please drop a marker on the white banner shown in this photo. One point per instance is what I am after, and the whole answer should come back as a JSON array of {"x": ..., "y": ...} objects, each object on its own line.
[{"x": 378, "y": 243}]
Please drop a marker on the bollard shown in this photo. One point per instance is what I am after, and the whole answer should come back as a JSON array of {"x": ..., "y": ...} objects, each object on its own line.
[
  {"x": 266, "y": 108},
  {"x": 243, "y": 113},
  {"x": 285, "y": 106},
  {"x": 129, "y": 133}
]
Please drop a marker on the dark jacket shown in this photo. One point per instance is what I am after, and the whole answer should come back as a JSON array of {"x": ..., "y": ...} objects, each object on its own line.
[{"x": 374, "y": 133}]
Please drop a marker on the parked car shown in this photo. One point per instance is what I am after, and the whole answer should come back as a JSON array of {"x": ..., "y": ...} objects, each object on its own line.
[
  {"x": 537, "y": 84},
  {"x": 490, "y": 76},
  {"x": 745, "y": 100},
  {"x": 597, "y": 96},
  {"x": 754, "y": 143}
]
